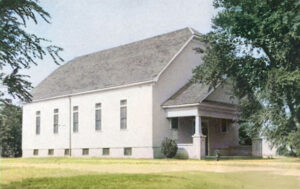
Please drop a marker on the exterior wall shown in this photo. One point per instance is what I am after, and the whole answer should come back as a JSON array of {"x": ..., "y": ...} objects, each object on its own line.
[
  {"x": 175, "y": 77},
  {"x": 138, "y": 134},
  {"x": 267, "y": 149},
  {"x": 262, "y": 148},
  {"x": 219, "y": 140},
  {"x": 186, "y": 129}
]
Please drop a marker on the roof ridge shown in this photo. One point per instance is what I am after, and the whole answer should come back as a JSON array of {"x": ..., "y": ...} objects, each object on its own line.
[{"x": 138, "y": 41}]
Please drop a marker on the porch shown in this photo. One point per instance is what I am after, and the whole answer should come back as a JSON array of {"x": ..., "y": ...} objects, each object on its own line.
[{"x": 202, "y": 129}]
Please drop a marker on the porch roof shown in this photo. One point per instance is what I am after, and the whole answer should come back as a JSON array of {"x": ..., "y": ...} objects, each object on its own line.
[{"x": 191, "y": 93}]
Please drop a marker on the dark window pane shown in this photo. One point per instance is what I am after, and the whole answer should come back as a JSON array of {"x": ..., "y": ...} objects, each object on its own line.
[
  {"x": 105, "y": 151},
  {"x": 224, "y": 125},
  {"x": 85, "y": 151},
  {"x": 75, "y": 122},
  {"x": 50, "y": 152},
  {"x": 67, "y": 152},
  {"x": 123, "y": 117},
  {"x": 174, "y": 123},
  {"x": 127, "y": 151},
  {"x": 98, "y": 119},
  {"x": 123, "y": 102},
  {"x": 38, "y": 125},
  {"x": 35, "y": 152},
  {"x": 55, "y": 123}
]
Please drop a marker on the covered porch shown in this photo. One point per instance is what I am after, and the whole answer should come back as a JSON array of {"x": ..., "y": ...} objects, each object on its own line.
[{"x": 203, "y": 128}]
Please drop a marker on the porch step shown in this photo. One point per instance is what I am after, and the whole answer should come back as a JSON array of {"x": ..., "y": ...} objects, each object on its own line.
[{"x": 231, "y": 157}]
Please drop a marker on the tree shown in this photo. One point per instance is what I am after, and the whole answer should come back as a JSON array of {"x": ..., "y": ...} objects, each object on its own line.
[
  {"x": 10, "y": 130},
  {"x": 20, "y": 49},
  {"x": 256, "y": 44}
]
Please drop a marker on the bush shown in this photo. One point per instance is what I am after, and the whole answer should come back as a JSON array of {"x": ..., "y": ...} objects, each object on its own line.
[{"x": 169, "y": 147}]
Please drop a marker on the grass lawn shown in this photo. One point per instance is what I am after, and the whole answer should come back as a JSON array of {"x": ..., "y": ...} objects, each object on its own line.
[{"x": 136, "y": 173}]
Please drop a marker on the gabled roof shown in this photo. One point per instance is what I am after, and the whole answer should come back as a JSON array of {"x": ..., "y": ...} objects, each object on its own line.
[
  {"x": 191, "y": 93},
  {"x": 127, "y": 64}
]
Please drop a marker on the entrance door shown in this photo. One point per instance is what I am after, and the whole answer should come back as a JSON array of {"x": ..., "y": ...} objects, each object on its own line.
[{"x": 204, "y": 125}]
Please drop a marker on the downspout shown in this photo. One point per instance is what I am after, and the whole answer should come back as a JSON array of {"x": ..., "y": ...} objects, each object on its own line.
[{"x": 70, "y": 127}]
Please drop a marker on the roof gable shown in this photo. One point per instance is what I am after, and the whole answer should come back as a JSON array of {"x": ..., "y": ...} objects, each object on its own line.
[{"x": 127, "y": 64}]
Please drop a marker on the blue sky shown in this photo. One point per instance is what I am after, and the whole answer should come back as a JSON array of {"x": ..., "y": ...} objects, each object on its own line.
[{"x": 86, "y": 26}]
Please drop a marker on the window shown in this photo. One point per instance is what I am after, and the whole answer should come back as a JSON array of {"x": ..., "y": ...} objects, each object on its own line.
[
  {"x": 55, "y": 121},
  {"x": 85, "y": 151},
  {"x": 127, "y": 151},
  {"x": 105, "y": 151},
  {"x": 75, "y": 119},
  {"x": 67, "y": 152},
  {"x": 174, "y": 123},
  {"x": 38, "y": 123},
  {"x": 50, "y": 152},
  {"x": 224, "y": 126},
  {"x": 35, "y": 152},
  {"x": 123, "y": 114},
  {"x": 98, "y": 116}
]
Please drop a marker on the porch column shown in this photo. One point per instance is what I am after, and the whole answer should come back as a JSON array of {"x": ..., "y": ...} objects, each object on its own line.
[
  {"x": 197, "y": 138},
  {"x": 198, "y": 130}
]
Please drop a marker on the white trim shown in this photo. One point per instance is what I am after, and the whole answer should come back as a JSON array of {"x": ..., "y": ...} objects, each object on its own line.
[
  {"x": 191, "y": 30},
  {"x": 173, "y": 58},
  {"x": 181, "y": 106},
  {"x": 97, "y": 90}
]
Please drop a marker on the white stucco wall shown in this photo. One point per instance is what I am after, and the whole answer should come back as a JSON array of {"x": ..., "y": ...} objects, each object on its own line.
[
  {"x": 138, "y": 134},
  {"x": 175, "y": 77}
]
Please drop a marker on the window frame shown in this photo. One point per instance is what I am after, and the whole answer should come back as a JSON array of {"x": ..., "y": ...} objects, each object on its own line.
[
  {"x": 126, "y": 150},
  {"x": 75, "y": 121},
  {"x": 172, "y": 121},
  {"x": 50, "y": 152},
  {"x": 123, "y": 114},
  {"x": 37, "y": 122},
  {"x": 224, "y": 124},
  {"x": 55, "y": 120},
  {"x": 67, "y": 152},
  {"x": 105, "y": 154},
  {"x": 35, "y": 152},
  {"x": 85, "y": 151},
  {"x": 98, "y": 114}
]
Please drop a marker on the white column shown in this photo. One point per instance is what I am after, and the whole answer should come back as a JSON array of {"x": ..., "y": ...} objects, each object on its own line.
[
  {"x": 197, "y": 138},
  {"x": 198, "y": 131}
]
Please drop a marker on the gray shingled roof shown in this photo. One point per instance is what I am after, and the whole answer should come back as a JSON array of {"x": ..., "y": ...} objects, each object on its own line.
[
  {"x": 191, "y": 93},
  {"x": 135, "y": 62}
]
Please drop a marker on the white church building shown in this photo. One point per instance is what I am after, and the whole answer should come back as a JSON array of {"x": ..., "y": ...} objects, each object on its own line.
[{"x": 123, "y": 101}]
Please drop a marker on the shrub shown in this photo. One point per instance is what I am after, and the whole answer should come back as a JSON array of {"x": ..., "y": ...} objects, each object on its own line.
[{"x": 169, "y": 147}]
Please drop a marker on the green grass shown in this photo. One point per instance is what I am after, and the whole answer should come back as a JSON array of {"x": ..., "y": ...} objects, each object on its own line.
[{"x": 139, "y": 174}]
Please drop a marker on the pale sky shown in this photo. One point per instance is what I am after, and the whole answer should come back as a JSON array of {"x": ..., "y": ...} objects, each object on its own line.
[{"x": 85, "y": 26}]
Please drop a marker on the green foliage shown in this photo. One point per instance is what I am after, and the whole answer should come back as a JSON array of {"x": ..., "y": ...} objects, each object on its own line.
[
  {"x": 10, "y": 130},
  {"x": 20, "y": 49},
  {"x": 294, "y": 141},
  {"x": 256, "y": 44},
  {"x": 169, "y": 147},
  {"x": 244, "y": 137}
]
